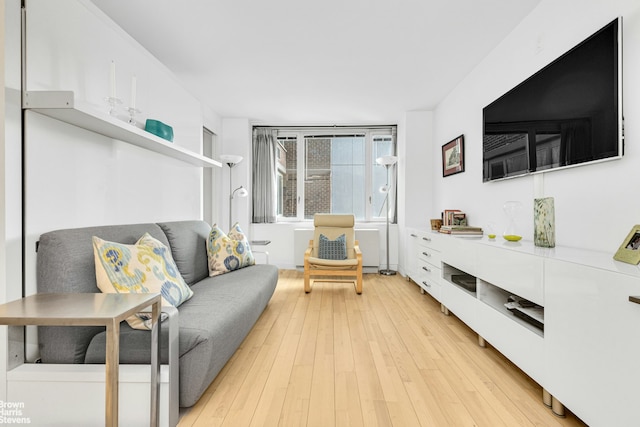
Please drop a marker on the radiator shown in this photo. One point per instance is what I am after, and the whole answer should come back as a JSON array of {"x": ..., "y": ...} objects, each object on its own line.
[{"x": 367, "y": 237}]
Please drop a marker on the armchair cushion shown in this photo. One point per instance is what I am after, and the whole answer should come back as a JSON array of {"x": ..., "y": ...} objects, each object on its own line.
[
  {"x": 332, "y": 249},
  {"x": 332, "y": 264}
]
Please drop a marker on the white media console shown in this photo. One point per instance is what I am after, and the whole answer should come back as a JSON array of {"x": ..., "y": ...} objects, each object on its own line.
[{"x": 587, "y": 352}]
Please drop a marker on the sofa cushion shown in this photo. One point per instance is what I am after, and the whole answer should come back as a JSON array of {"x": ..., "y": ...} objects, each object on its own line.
[
  {"x": 188, "y": 242},
  {"x": 228, "y": 252},
  {"x": 144, "y": 267},
  {"x": 135, "y": 344}
]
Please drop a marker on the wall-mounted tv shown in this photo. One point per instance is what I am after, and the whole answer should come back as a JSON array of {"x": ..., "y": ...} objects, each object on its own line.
[{"x": 567, "y": 114}]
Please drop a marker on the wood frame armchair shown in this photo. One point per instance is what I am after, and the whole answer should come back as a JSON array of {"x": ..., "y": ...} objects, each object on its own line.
[{"x": 332, "y": 226}]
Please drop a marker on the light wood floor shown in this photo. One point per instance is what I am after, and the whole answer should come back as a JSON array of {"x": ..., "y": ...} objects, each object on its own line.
[{"x": 386, "y": 357}]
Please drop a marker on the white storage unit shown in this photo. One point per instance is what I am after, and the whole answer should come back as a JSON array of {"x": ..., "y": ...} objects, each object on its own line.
[
  {"x": 592, "y": 342},
  {"x": 584, "y": 342}
]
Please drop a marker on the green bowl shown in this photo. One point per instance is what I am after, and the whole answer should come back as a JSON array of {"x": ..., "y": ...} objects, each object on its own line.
[{"x": 158, "y": 128}]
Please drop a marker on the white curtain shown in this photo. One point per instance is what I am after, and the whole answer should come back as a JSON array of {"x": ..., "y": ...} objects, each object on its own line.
[{"x": 264, "y": 176}]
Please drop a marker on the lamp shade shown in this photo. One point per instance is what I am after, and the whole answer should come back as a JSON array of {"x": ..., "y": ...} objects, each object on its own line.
[
  {"x": 242, "y": 192},
  {"x": 231, "y": 159},
  {"x": 387, "y": 160}
]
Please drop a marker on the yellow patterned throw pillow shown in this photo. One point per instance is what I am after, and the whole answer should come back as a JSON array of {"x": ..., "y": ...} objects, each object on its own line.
[
  {"x": 144, "y": 267},
  {"x": 228, "y": 252}
]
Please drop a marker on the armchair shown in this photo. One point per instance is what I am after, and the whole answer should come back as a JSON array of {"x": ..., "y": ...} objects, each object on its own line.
[{"x": 332, "y": 227}]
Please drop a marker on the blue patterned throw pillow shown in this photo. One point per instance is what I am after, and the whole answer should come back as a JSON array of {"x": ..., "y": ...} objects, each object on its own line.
[
  {"x": 144, "y": 267},
  {"x": 230, "y": 252},
  {"x": 332, "y": 249}
]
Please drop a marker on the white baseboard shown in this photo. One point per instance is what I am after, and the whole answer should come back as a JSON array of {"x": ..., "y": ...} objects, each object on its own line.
[{"x": 74, "y": 395}]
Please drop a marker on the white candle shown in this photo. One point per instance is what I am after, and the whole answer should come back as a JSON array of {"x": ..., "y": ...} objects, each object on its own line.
[
  {"x": 112, "y": 80},
  {"x": 133, "y": 92}
]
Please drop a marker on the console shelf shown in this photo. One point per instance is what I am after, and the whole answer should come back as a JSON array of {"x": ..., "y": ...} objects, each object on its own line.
[
  {"x": 496, "y": 297},
  {"x": 460, "y": 279},
  {"x": 61, "y": 105}
]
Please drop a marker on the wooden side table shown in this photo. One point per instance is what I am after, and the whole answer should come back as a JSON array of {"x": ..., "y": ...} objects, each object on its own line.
[{"x": 94, "y": 310}]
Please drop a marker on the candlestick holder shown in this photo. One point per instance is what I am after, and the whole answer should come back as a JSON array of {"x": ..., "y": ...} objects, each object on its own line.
[
  {"x": 132, "y": 115},
  {"x": 113, "y": 103}
]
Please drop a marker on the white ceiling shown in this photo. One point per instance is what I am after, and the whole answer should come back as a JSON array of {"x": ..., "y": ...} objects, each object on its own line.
[{"x": 327, "y": 61}]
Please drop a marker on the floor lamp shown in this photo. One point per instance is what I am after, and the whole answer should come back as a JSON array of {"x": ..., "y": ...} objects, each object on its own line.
[
  {"x": 231, "y": 160},
  {"x": 387, "y": 162}
]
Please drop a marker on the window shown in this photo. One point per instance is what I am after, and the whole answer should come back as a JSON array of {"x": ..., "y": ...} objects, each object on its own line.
[
  {"x": 333, "y": 170},
  {"x": 287, "y": 177}
]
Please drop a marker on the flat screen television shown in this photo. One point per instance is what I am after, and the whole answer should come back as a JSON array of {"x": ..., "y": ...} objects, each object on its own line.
[{"x": 567, "y": 114}]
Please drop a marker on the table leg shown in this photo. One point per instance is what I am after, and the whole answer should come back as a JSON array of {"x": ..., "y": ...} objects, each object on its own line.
[
  {"x": 155, "y": 364},
  {"x": 112, "y": 366}
]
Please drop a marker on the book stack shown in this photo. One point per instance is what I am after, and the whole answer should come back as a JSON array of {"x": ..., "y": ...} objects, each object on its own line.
[
  {"x": 461, "y": 230},
  {"x": 454, "y": 217},
  {"x": 454, "y": 221}
]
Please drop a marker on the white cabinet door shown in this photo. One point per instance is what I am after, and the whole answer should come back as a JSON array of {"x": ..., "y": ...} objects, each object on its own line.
[
  {"x": 592, "y": 342},
  {"x": 460, "y": 252},
  {"x": 515, "y": 272}
]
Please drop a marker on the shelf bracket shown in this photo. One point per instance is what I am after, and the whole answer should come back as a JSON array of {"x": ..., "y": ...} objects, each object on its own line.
[{"x": 47, "y": 99}]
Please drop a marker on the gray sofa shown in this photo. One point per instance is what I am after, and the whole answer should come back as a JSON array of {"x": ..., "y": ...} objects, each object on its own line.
[{"x": 212, "y": 324}]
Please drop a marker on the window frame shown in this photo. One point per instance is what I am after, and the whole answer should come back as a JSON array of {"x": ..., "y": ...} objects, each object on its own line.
[{"x": 370, "y": 133}]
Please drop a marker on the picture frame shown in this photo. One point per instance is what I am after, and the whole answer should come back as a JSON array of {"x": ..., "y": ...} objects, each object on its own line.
[
  {"x": 629, "y": 250},
  {"x": 453, "y": 156}
]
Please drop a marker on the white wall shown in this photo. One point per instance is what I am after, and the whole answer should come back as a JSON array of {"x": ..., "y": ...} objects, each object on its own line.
[
  {"x": 75, "y": 177},
  {"x": 10, "y": 177},
  {"x": 415, "y": 138},
  {"x": 416, "y": 162},
  {"x": 236, "y": 139},
  {"x": 596, "y": 205}
]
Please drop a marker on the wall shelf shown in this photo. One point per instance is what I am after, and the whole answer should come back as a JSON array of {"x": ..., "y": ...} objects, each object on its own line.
[{"x": 60, "y": 105}]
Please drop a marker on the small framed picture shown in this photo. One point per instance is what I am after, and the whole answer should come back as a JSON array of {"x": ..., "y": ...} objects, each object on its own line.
[
  {"x": 453, "y": 156},
  {"x": 629, "y": 250}
]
